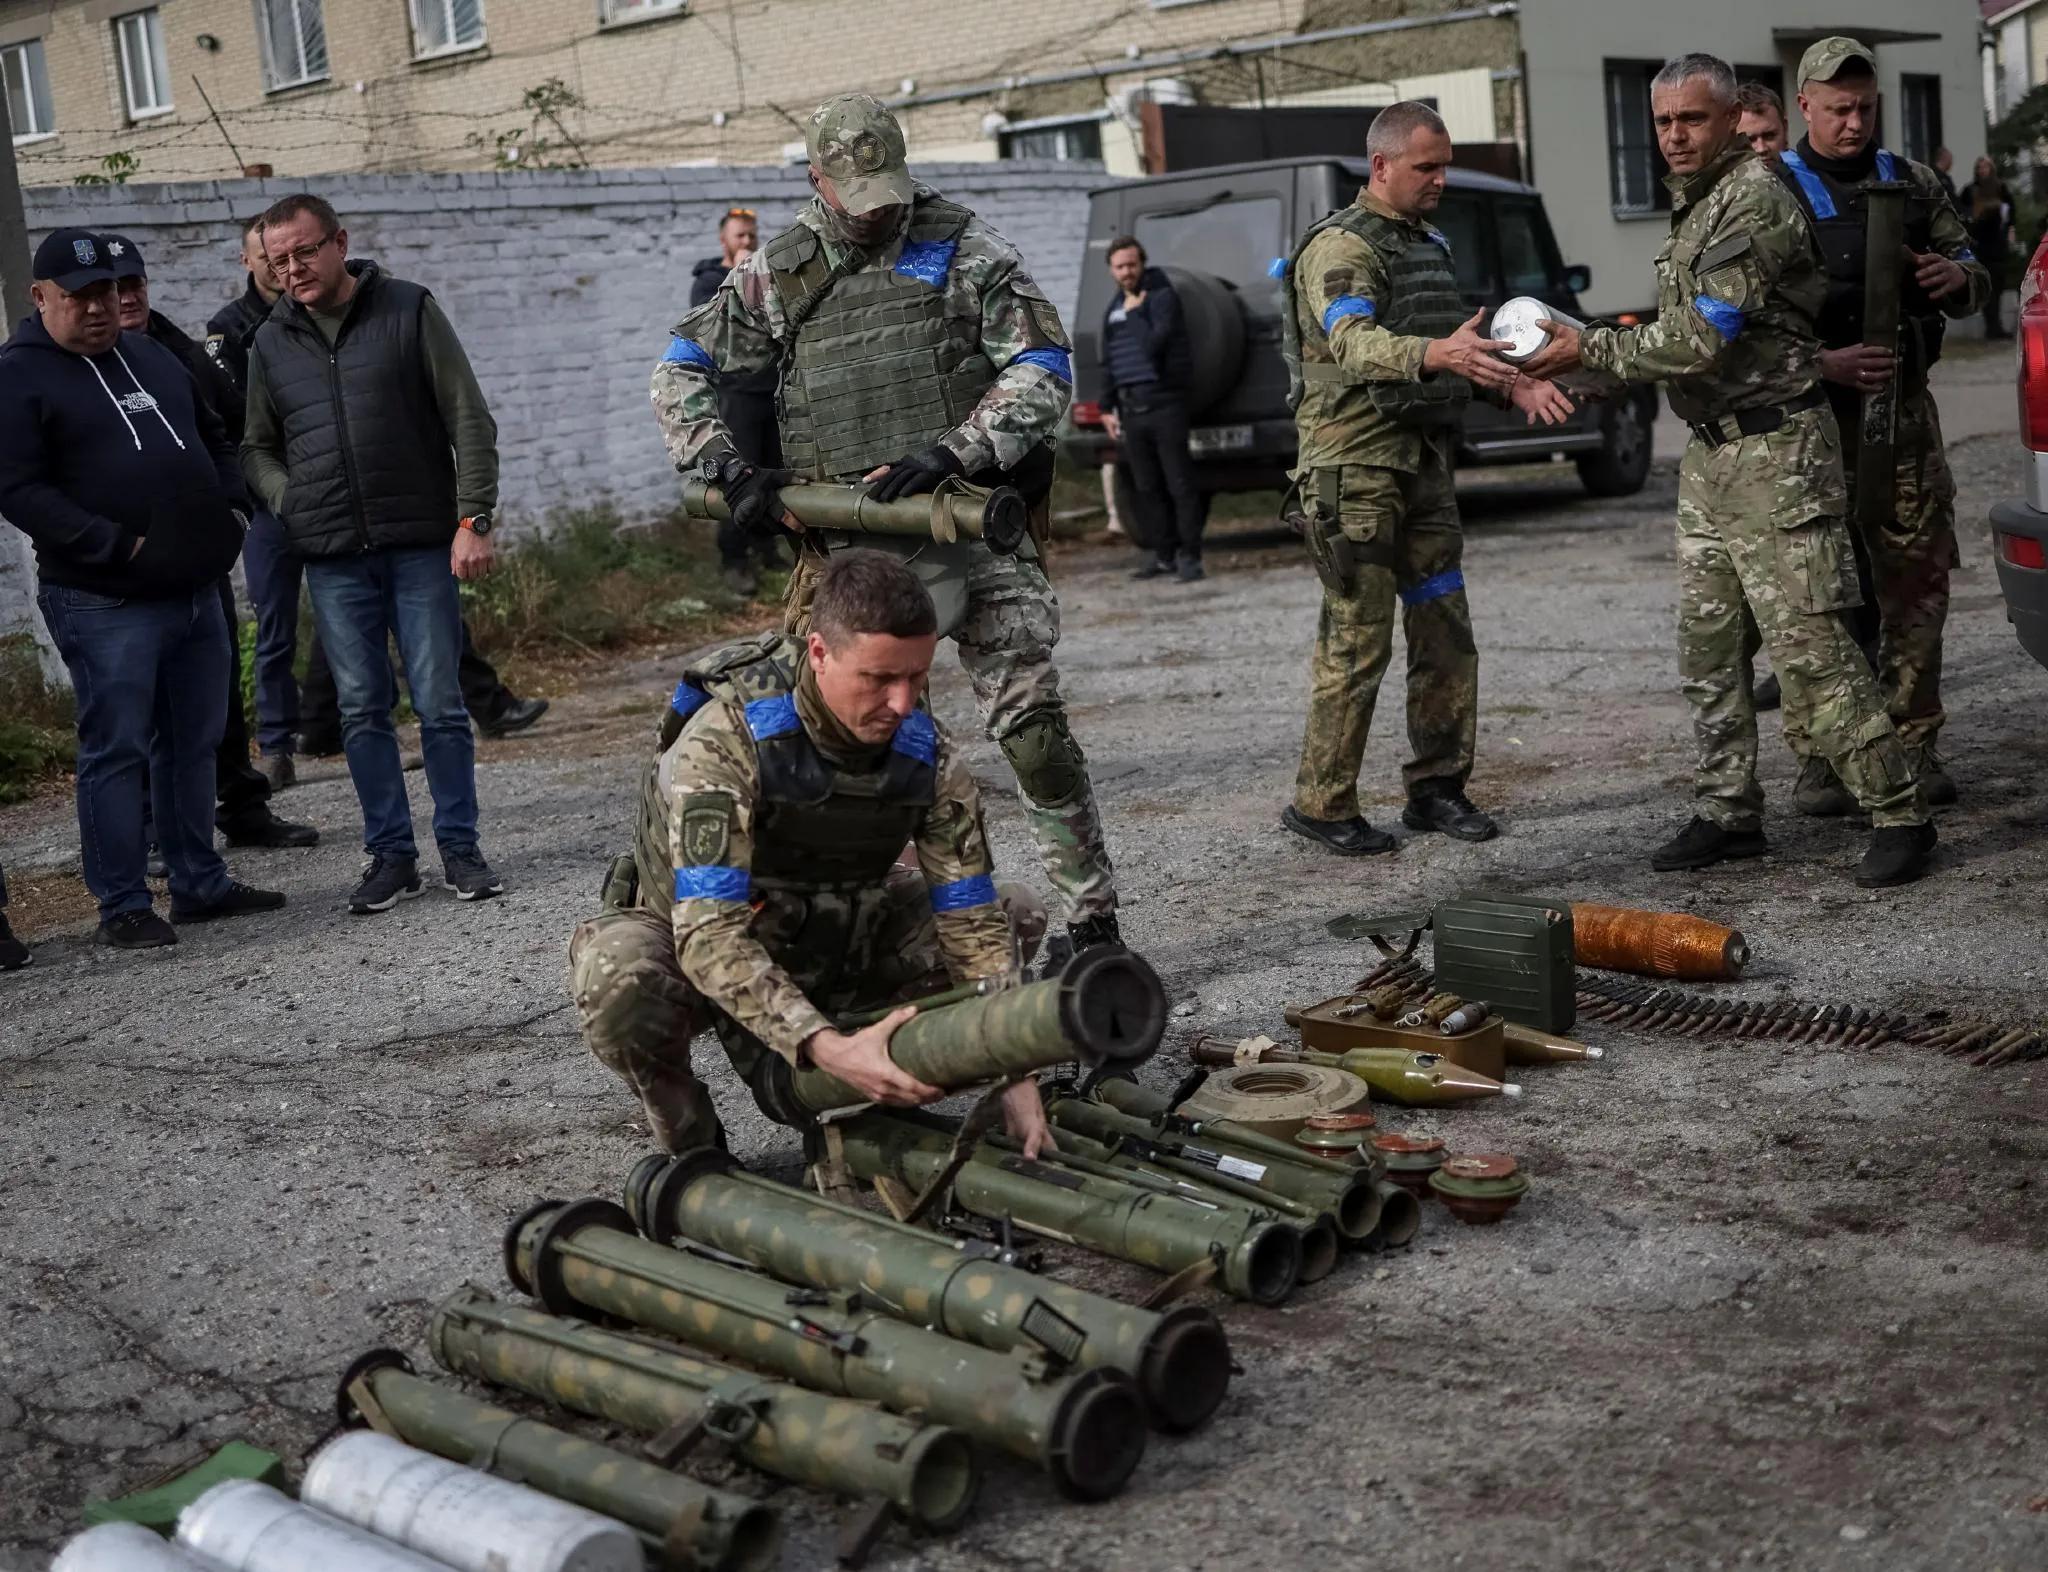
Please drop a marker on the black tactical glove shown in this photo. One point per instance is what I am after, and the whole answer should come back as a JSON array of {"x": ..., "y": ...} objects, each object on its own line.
[
  {"x": 916, "y": 472},
  {"x": 753, "y": 494}
]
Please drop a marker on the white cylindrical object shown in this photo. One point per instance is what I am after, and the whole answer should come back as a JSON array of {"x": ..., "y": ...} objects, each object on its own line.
[
  {"x": 1519, "y": 322},
  {"x": 126, "y": 1547},
  {"x": 248, "y": 1527},
  {"x": 470, "y": 1520}
]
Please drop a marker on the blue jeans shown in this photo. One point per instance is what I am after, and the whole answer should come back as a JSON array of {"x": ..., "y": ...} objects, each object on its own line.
[
  {"x": 358, "y": 603},
  {"x": 151, "y": 680}
]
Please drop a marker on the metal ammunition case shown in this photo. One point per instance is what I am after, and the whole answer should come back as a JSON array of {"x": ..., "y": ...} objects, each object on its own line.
[{"x": 1515, "y": 952}]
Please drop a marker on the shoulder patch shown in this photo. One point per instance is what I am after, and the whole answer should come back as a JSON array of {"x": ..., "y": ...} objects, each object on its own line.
[
  {"x": 1722, "y": 252},
  {"x": 213, "y": 344},
  {"x": 706, "y": 828}
]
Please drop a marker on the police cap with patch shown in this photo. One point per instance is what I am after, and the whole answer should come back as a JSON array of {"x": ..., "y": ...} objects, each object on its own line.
[
  {"x": 856, "y": 143},
  {"x": 1823, "y": 62},
  {"x": 124, "y": 256},
  {"x": 73, "y": 258}
]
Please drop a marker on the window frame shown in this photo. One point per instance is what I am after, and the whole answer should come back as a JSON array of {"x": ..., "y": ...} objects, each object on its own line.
[
  {"x": 1064, "y": 124},
  {"x": 266, "y": 48},
  {"x": 1618, "y": 150},
  {"x": 624, "y": 13},
  {"x": 483, "y": 30},
  {"x": 1913, "y": 84},
  {"x": 149, "y": 23},
  {"x": 43, "y": 108}
]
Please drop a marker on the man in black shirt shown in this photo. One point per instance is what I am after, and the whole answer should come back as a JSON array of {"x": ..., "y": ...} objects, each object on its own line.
[
  {"x": 1147, "y": 365},
  {"x": 746, "y": 403}
]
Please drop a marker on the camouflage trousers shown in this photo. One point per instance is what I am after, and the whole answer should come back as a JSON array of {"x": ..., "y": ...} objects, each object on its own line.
[
  {"x": 1760, "y": 520},
  {"x": 1005, "y": 641},
  {"x": 1911, "y": 555},
  {"x": 1405, "y": 546},
  {"x": 639, "y": 1012}
]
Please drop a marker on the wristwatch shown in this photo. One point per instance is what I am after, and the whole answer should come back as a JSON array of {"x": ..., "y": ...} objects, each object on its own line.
[{"x": 478, "y": 523}]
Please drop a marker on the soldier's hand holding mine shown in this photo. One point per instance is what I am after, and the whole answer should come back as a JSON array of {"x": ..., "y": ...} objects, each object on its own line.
[
  {"x": 914, "y": 473},
  {"x": 862, "y": 1061},
  {"x": 1864, "y": 367},
  {"x": 1936, "y": 274},
  {"x": 1543, "y": 403},
  {"x": 1471, "y": 356},
  {"x": 1024, "y": 1118},
  {"x": 1560, "y": 351}
]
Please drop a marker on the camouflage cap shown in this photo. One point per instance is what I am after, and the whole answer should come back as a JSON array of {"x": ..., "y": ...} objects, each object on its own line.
[
  {"x": 856, "y": 143},
  {"x": 1824, "y": 60}
]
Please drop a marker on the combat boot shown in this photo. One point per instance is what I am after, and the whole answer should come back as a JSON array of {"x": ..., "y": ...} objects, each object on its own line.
[
  {"x": 1436, "y": 805},
  {"x": 1820, "y": 792},
  {"x": 1351, "y": 837},
  {"x": 1936, "y": 783},
  {"x": 1898, "y": 855},
  {"x": 1091, "y": 931},
  {"x": 1703, "y": 843}
]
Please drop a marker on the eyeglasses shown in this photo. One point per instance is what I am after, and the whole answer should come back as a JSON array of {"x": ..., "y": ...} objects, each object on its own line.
[{"x": 303, "y": 258}]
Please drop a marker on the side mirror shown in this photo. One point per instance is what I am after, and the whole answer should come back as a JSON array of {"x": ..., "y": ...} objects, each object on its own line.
[{"x": 1578, "y": 278}]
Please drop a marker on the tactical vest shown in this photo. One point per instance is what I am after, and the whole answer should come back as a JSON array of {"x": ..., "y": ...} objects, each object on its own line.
[
  {"x": 877, "y": 365},
  {"x": 1426, "y": 303},
  {"x": 1837, "y": 211},
  {"x": 818, "y": 827}
]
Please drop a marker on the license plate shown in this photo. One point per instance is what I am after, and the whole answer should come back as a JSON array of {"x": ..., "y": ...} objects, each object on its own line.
[{"x": 1219, "y": 439}]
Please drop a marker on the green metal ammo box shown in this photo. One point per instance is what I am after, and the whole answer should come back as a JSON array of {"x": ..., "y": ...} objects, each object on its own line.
[{"x": 1513, "y": 951}]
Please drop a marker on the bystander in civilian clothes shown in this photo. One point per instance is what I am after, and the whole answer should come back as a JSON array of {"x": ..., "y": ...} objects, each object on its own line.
[
  {"x": 746, "y": 403},
  {"x": 1987, "y": 209},
  {"x": 1147, "y": 367},
  {"x": 127, "y": 485}
]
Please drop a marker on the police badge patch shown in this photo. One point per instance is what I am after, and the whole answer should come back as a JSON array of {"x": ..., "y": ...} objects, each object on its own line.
[
  {"x": 82, "y": 248},
  {"x": 706, "y": 828},
  {"x": 213, "y": 343}
]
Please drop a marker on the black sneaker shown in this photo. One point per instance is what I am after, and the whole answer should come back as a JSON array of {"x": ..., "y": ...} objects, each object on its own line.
[
  {"x": 238, "y": 900},
  {"x": 1351, "y": 837},
  {"x": 1898, "y": 855},
  {"x": 13, "y": 953},
  {"x": 1703, "y": 843},
  {"x": 1161, "y": 569},
  {"x": 142, "y": 930},
  {"x": 1451, "y": 812},
  {"x": 259, "y": 826},
  {"x": 1190, "y": 571},
  {"x": 386, "y": 882},
  {"x": 469, "y": 876},
  {"x": 516, "y": 716}
]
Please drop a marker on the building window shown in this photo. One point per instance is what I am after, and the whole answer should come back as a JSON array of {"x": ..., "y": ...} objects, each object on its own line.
[
  {"x": 1920, "y": 99},
  {"x": 145, "y": 74},
  {"x": 1636, "y": 175},
  {"x": 28, "y": 90},
  {"x": 294, "y": 37},
  {"x": 441, "y": 27},
  {"x": 609, "y": 11},
  {"x": 1069, "y": 140}
]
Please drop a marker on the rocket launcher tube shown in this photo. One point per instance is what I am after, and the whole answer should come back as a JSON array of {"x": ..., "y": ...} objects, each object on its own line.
[
  {"x": 689, "y": 1525},
  {"x": 927, "y": 1472},
  {"x": 1085, "y": 1428},
  {"x": 1161, "y": 1225},
  {"x": 999, "y": 516},
  {"x": 1107, "y": 1006},
  {"x": 1180, "y": 1359}
]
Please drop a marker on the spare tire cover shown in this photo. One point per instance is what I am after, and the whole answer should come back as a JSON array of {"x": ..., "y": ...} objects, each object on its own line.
[{"x": 1215, "y": 326}]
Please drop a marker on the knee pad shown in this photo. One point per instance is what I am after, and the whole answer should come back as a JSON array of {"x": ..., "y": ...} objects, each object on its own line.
[{"x": 1050, "y": 766}]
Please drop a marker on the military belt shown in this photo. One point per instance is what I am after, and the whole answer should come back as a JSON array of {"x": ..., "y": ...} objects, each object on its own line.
[{"x": 1755, "y": 422}]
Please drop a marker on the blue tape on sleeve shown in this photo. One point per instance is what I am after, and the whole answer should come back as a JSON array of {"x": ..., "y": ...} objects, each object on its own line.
[
  {"x": 1723, "y": 318},
  {"x": 1434, "y": 588},
  {"x": 688, "y": 352},
  {"x": 1057, "y": 361},
  {"x": 688, "y": 699},
  {"x": 774, "y": 716},
  {"x": 713, "y": 884},
  {"x": 964, "y": 894},
  {"x": 1346, "y": 306},
  {"x": 1277, "y": 268}
]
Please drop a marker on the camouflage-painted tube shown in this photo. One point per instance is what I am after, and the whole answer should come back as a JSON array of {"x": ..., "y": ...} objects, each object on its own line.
[
  {"x": 927, "y": 1471},
  {"x": 1400, "y": 1216},
  {"x": 1180, "y": 1359},
  {"x": 1086, "y": 1428},
  {"x": 999, "y": 516},
  {"x": 1344, "y": 1192},
  {"x": 688, "y": 1525},
  {"x": 1107, "y": 1006},
  {"x": 1158, "y": 1224}
]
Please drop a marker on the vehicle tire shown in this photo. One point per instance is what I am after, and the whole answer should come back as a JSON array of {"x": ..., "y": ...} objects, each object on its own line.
[
  {"x": 1215, "y": 328},
  {"x": 1623, "y": 462}
]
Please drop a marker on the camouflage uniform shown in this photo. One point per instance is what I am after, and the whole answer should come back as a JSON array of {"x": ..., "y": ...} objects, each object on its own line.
[
  {"x": 995, "y": 411},
  {"x": 1912, "y": 552},
  {"x": 1760, "y": 516},
  {"x": 769, "y": 898},
  {"x": 1383, "y": 484}
]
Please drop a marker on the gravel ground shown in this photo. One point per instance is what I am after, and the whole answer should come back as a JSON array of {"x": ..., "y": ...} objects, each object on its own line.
[{"x": 1764, "y": 1306}]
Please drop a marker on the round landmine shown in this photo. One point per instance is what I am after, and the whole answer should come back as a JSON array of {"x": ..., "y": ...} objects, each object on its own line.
[
  {"x": 1276, "y": 1099},
  {"x": 1410, "y": 1160},
  {"x": 1479, "y": 1187},
  {"x": 1340, "y": 1137}
]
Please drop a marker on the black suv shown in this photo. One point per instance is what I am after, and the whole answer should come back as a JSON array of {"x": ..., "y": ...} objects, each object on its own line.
[{"x": 1217, "y": 233}]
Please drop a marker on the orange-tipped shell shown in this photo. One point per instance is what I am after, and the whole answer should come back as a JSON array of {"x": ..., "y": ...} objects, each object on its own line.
[{"x": 1656, "y": 944}]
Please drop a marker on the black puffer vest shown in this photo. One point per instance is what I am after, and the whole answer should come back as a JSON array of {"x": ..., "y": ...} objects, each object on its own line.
[{"x": 369, "y": 461}]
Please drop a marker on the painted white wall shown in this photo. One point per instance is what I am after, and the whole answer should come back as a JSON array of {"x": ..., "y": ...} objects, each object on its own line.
[{"x": 1566, "y": 41}]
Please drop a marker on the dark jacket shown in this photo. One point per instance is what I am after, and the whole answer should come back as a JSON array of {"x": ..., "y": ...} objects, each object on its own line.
[
  {"x": 232, "y": 329},
  {"x": 705, "y": 278},
  {"x": 99, "y": 451},
  {"x": 367, "y": 456},
  {"x": 216, "y": 389},
  {"x": 1149, "y": 344},
  {"x": 746, "y": 399}
]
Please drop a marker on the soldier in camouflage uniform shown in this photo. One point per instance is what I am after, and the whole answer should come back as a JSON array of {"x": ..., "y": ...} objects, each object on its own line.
[
  {"x": 914, "y": 348},
  {"x": 764, "y": 896},
  {"x": 1374, "y": 329},
  {"x": 1761, "y": 500},
  {"x": 1911, "y": 552}
]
